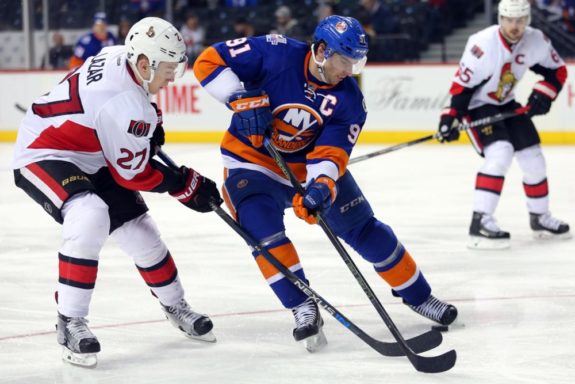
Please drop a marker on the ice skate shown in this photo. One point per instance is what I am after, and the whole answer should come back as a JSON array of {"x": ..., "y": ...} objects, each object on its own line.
[
  {"x": 436, "y": 310},
  {"x": 484, "y": 233},
  {"x": 194, "y": 325},
  {"x": 545, "y": 226},
  {"x": 79, "y": 343},
  {"x": 309, "y": 326}
]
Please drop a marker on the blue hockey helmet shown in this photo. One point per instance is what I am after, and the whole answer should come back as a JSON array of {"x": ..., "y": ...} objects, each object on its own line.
[{"x": 343, "y": 35}]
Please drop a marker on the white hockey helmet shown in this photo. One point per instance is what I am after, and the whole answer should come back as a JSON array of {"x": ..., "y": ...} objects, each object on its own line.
[
  {"x": 514, "y": 9},
  {"x": 159, "y": 41}
]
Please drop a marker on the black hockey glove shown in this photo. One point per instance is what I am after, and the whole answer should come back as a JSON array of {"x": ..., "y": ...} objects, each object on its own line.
[
  {"x": 540, "y": 100},
  {"x": 198, "y": 191},
  {"x": 448, "y": 125},
  {"x": 158, "y": 137}
]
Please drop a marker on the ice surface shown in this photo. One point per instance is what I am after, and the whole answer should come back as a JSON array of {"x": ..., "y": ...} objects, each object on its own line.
[{"x": 517, "y": 306}]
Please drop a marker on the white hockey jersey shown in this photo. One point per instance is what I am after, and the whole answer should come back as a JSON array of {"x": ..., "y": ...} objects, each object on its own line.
[
  {"x": 97, "y": 116},
  {"x": 492, "y": 67}
]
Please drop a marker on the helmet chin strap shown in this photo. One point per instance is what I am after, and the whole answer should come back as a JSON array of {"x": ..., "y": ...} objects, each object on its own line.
[
  {"x": 145, "y": 83},
  {"x": 319, "y": 65}
]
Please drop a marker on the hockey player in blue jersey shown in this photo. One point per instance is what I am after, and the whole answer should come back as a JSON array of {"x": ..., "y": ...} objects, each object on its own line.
[
  {"x": 91, "y": 43},
  {"x": 306, "y": 101}
]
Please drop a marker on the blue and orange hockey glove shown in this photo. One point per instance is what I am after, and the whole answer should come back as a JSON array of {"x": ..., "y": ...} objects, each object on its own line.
[
  {"x": 253, "y": 111},
  {"x": 318, "y": 197}
]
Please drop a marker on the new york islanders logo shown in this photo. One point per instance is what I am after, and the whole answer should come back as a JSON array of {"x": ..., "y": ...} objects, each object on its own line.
[{"x": 295, "y": 126}]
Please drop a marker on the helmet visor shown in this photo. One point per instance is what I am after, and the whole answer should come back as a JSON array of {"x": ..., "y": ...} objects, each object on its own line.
[
  {"x": 172, "y": 71},
  {"x": 344, "y": 63}
]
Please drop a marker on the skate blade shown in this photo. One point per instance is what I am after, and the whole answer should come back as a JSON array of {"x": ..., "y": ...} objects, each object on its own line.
[
  {"x": 205, "y": 338},
  {"x": 316, "y": 342},
  {"x": 481, "y": 243},
  {"x": 546, "y": 235},
  {"x": 87, "y": 360}
]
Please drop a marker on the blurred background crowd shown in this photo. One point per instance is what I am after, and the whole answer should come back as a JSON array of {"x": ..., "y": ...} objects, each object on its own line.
[{"x": 398, "y": 30}]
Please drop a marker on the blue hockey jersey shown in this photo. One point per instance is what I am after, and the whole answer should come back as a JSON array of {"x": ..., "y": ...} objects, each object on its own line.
[{"x": 313, "y": 122}]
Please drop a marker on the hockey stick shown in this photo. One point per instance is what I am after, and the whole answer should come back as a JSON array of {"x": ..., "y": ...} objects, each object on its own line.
[
  {"x": 20, "y": 107},
  {"x": 420, "y": 343},
  {"x": 462, "y": 127},
  {"x": 438, "y": 363}
]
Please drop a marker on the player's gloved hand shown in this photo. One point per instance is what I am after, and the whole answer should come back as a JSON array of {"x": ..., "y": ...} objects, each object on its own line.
[
  {"x": 541, "y": 97},
  {"x": 448, "y": 124},
  {"x": 318, "y": 197},
  {"x": 253, "y": 111},
  {"x": 158, "y": 137},
  {"x": 198, "y": 191}
]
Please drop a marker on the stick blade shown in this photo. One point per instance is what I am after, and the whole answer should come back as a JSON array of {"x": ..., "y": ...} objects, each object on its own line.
[
  {"x": 418, "y": 344},
  {"x": 434, "y": 364}
]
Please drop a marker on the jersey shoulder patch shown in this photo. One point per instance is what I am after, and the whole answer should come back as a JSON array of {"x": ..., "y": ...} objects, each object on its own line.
[{"x": 275, "y": 39}]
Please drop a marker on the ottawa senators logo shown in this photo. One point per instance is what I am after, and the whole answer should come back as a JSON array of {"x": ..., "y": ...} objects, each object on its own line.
[
  {"x": 139, "y": 128},
  {"x": 507, "y": 81},
  {"x": 295, "y": 126}
]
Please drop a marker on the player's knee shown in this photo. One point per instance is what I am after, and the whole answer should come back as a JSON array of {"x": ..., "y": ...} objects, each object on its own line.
[
  {"x": 86, "y": 226},
  {"x": 372, "y": 239},
  {"x": 141, "y": 239},
  {"x": 261, "y": 216},
  {"x": 532, "y": 163},
  {"x": 498, "y": 158}
]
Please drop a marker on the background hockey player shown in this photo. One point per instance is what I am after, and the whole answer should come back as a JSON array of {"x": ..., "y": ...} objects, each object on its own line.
[
  {"x": 495, "y": 59},
  {"x": 314, "y": 112},
  {"x": 91, "y": 43},
  {"x": 84, "y": 150}
]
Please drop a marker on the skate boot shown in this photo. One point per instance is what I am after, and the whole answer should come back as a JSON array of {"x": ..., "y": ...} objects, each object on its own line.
[
  {"x": 545, "y": 226},
  {"x": 80, "y": 344},
  {"x": 485, "y": 233},
  {"x": 436, "y": 310},
  {"x": 308, "y": 326},
  {"x": 194, "y": 325}
]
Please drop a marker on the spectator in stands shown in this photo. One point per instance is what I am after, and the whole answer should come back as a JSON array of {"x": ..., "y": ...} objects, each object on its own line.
[
  {"x": 91, "y": 43},
  {"x": 240, "y": 3},
  {"x": 146, "y": 8},
  {"x": 381, "y": 18},
  {"x": 552, "y": 9},
  {"x": 286, "y": 25},
  {"x": 194, "y": 35},
  {"x": 568, "y": 15},
  {"x": 123, "y": 29},
  {"x": 59, "y": 55},
  {"x": 325, "y": 9},
  {"x": 243, "y": 28}
]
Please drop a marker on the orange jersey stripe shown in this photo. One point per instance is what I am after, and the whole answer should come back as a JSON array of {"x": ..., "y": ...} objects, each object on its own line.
[
  {"x": 226, "y": 197},
  {"x": 232, "y": 144},
  {"x": 75, "y": 62},
  {"x": 208, "y": 61},
  {"x": 337, "y": 155},
  {"x": 401, "y": 272},
  {"x": 286, "y": 254}
]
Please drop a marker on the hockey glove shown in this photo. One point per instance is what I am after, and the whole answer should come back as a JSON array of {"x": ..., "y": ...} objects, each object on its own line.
[
  {"x": 540, "y": 100},
  {"x": 448, "y": 125},
  {"x": 158, "y": 137},
  {"x": 198, "y": 191},
  {"x": 318, "y": 197},
  {"x": 255, "y": 116}
]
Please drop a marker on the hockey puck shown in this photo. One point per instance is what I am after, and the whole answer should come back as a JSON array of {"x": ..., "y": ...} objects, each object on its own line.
[{"x": 440, "y": 328}]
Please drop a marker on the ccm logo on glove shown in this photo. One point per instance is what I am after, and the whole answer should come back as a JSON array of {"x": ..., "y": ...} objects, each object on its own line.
[{"x": 250, "y": 103}]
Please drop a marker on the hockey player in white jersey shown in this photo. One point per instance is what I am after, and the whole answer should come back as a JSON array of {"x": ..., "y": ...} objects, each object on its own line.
[
  {"x": 83, "y": 152},
  {"x": 495, "y": 59}
]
